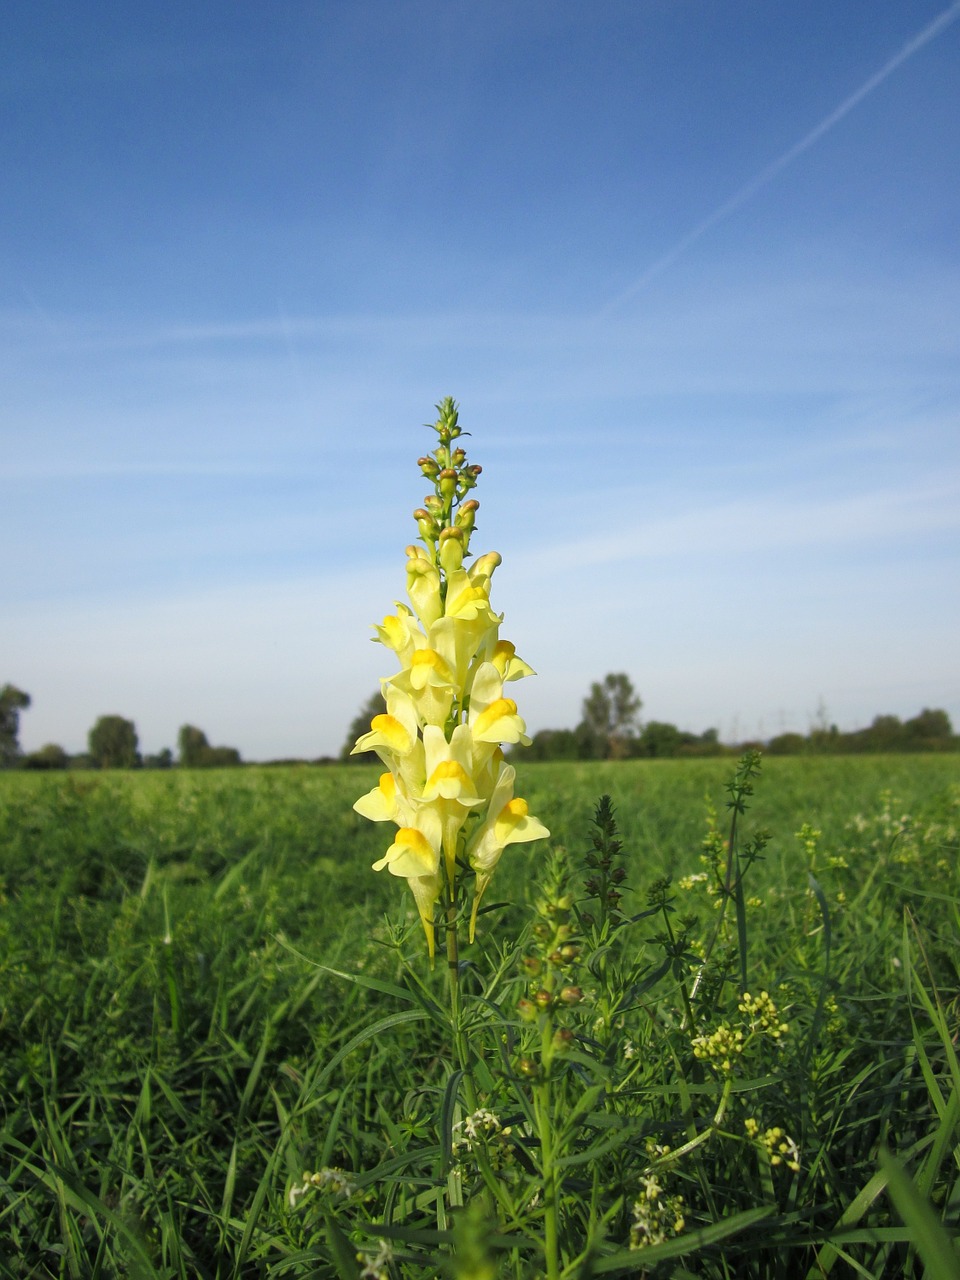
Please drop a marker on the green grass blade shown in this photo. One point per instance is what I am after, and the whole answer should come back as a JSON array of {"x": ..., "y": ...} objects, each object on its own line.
[{"x": 940, "y": 1258}]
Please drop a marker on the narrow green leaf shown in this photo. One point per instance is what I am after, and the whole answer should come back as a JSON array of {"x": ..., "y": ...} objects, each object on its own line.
[
  {"x": 637, "y": 1260},
  {"x": 940, "y": 1258},
  {"x": 344, "y": 1254},
  {"x": 447, "y": 1109}
]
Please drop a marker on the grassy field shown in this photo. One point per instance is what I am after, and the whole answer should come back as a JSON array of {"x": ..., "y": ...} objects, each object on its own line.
[{"x": 173, "y": 1062}]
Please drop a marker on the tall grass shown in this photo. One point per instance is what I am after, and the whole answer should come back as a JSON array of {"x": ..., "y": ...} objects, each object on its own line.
[{"x": 173, "y": 1062}]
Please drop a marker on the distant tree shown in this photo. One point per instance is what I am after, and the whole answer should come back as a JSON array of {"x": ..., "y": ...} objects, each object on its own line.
[
  {"x": 930, "y": 729},
  {"x": 219, "y": 758},
  {"x": 787, "y": 744},
  {"x": 162, "y": 760},
  {"x": 50, "y": 756},
  {"x": 197, "y": 753},
  {"x": 885, "y": 734},
  {"x": 611, "y": 715},
  {"x": 659, "y": 738},
  {"x": 12, "y": 702},
  {"x": 112, "y": 743},
  {"x": 359, "y": 725},
  {"x": 191, "y": 744}
]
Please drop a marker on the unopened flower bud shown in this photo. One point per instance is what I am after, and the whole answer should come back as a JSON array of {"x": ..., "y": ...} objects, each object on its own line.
[
  {"x": 562, "y": 1040},
  {"x": 458, "y": 457},
  {"x": 543, "y": 999},
  {"x": 571, "y": 995},
  {"x": 467, "y": 514},
  {"x": 447, "y": 482},
  {"x": 429, "y": 467},
  {"x": 451, "y": 553},
  {"x": 618, "y": 875},
  {"x": 528, "y": 1067},
  {"x": 570, "y": 952},
  {"x": 425, "y": 523},
  {"x": 527, "y": 1010},
  {"x": 532, "y": 965}
]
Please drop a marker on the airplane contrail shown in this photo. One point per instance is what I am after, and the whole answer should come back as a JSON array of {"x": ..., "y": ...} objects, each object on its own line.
[{"x": 765, "y": 176}]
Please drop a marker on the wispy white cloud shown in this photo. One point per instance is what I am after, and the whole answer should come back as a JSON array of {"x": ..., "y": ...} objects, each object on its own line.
[
  {"x": 772, "y": 522},
  {"x": 775, "y": 167}
]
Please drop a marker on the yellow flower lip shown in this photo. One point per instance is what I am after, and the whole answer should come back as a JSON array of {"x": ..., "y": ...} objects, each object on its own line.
[
  {"x": 411, "y": 854},
  {"x": 391, "y": 733},
  {"x": 467, "y": 602},
  {"x": 500, "y": 709},
  {"x": 427, "y": 663},
  {"x": 451, "y": 781}
]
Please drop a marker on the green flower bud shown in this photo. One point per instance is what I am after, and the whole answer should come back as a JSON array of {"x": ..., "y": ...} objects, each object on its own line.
[
  {"x": 426, "y": 525},
  {"x": 543, "y": 999},
  {"x": 562, "y": 1040},
  {"x": 466, "y": 514},
  {"x": 529, "y": 1068},
  {"x": 527, "y": 1010},
  {"x": 571, "y": 995}
]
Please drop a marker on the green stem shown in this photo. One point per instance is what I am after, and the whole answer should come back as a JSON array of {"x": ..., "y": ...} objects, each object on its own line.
[
  {"x": 461, "y": 1054},
  {"x": 688, "y": 1020},
  {"x": 551, "y": 1235}
]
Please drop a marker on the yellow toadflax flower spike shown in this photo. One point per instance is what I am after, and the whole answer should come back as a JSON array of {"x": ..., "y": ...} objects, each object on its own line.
[{"x": 447, "y": 787}]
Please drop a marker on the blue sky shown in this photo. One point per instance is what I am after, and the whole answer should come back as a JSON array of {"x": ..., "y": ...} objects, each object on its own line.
[{"x": 690, "y": 268}]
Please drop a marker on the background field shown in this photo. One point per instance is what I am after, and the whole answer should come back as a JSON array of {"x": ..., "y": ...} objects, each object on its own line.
[{"x": 163, "y": 1038}]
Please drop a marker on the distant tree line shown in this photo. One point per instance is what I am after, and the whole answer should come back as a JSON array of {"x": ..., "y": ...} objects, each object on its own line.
[
  {"x": 610, "y": 728},
  {"x": 112, "y": 743},
  {"x": 931, "y": 730}
]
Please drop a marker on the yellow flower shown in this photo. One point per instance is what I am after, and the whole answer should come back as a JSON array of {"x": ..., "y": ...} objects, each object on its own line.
[
  {"x": 430, "y": 683},
  {"x": 504, "y": 658},
  {"x": 385, "y": 803},
  {"x": 445, "y": 785},
  {"x": 416, "y": 857},
  {"x": 493, "y": 718},
  {"x": 449, "y": 788},
  {"x": 423, "y": 586},
  {"x": 401, "y": 633},
  {"x": 508, "y": 821}
]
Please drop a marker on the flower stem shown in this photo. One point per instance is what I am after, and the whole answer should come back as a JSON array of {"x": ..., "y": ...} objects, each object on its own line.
[{"x": 544, "y": 1119}]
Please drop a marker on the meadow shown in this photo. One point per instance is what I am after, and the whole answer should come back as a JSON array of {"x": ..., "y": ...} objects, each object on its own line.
[{"x": 222, "y": 1049}]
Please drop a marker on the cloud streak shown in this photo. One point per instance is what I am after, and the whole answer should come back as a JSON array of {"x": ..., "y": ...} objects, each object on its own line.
[{"x": 775, "y": 167}]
